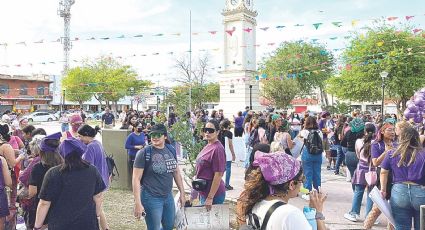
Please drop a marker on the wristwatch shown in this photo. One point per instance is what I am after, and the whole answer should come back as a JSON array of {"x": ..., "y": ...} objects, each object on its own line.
[{"x": 319, "y": 216}]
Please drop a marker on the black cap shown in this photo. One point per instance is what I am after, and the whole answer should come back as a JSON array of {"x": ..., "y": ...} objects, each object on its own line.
[{"x": 159, "y": 128}]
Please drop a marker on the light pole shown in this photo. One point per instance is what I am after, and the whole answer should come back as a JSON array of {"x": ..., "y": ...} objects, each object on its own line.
[
  {"x": 250, "y": 97},
  {"x": 384, "y": 75}
]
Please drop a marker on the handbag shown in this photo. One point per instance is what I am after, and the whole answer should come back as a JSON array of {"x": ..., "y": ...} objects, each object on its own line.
[
  {"x": 199, "y": 184},
  {"x": 371, "y": 176}
]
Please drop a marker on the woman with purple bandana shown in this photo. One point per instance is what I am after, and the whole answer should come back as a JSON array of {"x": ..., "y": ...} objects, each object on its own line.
[
  {"x": 95, "y": 154},
  {"x": 407, "y": 164},
  {"x": 210, "y": 166},
  {"x": 76, "y": 203},
  {"x": 277, "y": 177},
  {"x": 49, "y": 157}
]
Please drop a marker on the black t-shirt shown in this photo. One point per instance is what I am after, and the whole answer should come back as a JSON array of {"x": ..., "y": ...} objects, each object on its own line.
[
  {"x": 71, "y": 196},
  {"x": 36, "y": 178},
  {"x": 222, "y": 136}
]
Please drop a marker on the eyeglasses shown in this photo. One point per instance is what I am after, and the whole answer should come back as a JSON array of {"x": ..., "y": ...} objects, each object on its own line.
[
  {"x": 156, "y": 135},
  {"x": 208, "y": 130}
]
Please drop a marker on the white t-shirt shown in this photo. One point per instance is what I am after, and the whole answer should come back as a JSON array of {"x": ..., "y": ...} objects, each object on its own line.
[
  {"x": 285, "y": 217},
  {"x": 304, "y": 133}
]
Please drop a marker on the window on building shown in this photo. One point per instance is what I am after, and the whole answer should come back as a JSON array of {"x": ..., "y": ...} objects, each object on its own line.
[
  {"x": 232, "y": 88},
  {"x": 4, "y": 89},
  {"x": 40, "y": 90},
  {"x": 23, "y": 90}
]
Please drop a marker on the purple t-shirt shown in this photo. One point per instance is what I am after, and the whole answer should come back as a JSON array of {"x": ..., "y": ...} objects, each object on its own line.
[
  {"x": 413, "y": 173},
  {"x": 322, "y": 125},
  {"x": 378, "y": 147},
  {"x": 96, "y": 156},
  {"x": 210, "y": 160},
  {"x": 239, "y": 122}
]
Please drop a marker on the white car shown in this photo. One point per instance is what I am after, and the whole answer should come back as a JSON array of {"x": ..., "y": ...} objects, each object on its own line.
[{"x": 40, "y": 116}]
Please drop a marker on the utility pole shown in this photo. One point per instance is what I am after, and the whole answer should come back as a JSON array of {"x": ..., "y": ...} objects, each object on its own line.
[
  {"x": 190, "y": 61},
  {"x": 64, "y": 11}
]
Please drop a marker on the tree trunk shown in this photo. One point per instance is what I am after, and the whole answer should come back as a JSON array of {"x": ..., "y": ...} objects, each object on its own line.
[{"x": 81, "y": 104}]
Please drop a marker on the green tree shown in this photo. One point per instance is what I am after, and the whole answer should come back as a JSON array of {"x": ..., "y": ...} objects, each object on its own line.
[
  {"x": 309, "y": 64},
  {"x": 179, "y": 96},
  {"x": 280, "y": 92},
  {"x": 383, "y": 48},
  {"x": 74, "y": 84}
]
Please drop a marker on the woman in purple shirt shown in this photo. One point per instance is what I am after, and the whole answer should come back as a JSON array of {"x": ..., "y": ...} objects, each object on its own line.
[
  {"x": 407, "y": 164},
  {"x": 95, "y": 155},
  {"x": 239, "y": 124},
  {"x": 210, "y": 166}
]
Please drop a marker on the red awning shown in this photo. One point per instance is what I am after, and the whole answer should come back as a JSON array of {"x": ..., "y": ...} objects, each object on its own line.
[{"x": 300, "y": 109}]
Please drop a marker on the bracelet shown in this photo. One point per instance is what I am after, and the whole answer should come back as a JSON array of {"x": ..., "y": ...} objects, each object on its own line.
[{"x": 319, "y": 216}]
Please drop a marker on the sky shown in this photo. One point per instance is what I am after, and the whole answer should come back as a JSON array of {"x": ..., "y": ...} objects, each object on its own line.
[{"x": 153, "y": 57}]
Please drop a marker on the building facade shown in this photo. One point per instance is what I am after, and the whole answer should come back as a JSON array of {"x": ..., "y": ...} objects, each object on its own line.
[{"x": 24, "y": 93}]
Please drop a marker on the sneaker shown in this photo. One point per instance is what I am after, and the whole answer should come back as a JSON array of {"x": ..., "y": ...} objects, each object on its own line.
[
  {"x": 350, "y": 217},
  {"x": 306, "y": 197},
  {"x": 376, "y": 222},
  {"x": 228, "y": 187}
]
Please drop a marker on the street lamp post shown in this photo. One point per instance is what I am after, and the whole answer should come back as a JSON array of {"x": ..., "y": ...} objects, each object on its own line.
[
  {"x": 384, "y": 75},
  {"x": 250, "y": 97}
]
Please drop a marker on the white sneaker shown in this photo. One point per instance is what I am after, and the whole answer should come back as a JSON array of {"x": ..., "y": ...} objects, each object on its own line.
[
  {"x": 306, "y": 197},
  {"x": 376, "y": 222},
  {"x": 350, "y": 217}
]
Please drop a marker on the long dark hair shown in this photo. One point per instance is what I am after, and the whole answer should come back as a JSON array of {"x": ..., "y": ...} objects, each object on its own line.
[
  {"x": 73, "y": 161},
  {"x": 369, "y": 130}
]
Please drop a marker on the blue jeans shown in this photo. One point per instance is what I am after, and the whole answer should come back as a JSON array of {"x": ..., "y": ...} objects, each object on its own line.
[
  {"x": 351, "y": 160},
  {"x": 340, "y": 155},
  {"x": 228, "y": 172},
  {"x": 159, "y": 210},
  {"x": 312, "y": 169},
  {"x": 405, "y": 201},
  {"x": 294, "y": 133},
  {"x": 217, "y": 199},
  {"x": 357, "y": 199}
]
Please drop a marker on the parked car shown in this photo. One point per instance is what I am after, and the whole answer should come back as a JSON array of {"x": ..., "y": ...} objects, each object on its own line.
[
  {"x": 98, "y": 115},
  {"x": 46, "y": 111},
  {"x": 40, "y": 116}
]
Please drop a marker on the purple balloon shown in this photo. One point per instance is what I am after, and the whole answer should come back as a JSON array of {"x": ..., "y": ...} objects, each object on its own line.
[
  {"x": 412, "y": 108},
  {"x": 409, "y": 102},
  {"x": 422, "y": 90},
  {"x": 419, "y": 101},
  {"x": 407, "y": 114},
  {"x": 417, "y": 119}
]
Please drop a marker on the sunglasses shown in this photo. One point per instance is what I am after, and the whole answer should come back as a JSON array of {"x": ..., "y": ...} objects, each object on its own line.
[
  {"x": 156, "y": 135},
  {"x": 208, "y": 130}
]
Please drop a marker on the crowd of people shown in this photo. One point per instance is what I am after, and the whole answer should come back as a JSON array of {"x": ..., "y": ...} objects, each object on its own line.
[{"x": 284, "y": 156}]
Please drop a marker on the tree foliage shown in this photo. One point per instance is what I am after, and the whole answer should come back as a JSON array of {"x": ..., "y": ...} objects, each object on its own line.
[
  {"x": 179, "y": 96},
  {"x": 280, "y": 92},
  {"x": 104, "y": 78},
  {"x": 383, "y": 48},
  {"x": 308, "y": 64},
  {"x": 73, "y": 85}
]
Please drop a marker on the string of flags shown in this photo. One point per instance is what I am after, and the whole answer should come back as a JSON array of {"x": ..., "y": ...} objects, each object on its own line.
[{"x": 315, "y": 25}]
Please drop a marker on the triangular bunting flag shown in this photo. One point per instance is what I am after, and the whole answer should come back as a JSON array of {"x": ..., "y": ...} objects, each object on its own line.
[
  {"x": 298, "y": 25},
  {"x": 280, "y": 27},
  {"x": 248, "y": 30},
  {"x": 41, "y": 41},
  {"x": 106, "y": 38},
  {"x": 316, "y": 25},
  {"x": 417, "y": 30},
  {"x": 122, "y": 36},
  {"x": 138, "y": 36},
  {"x": 409, "y": 17},
  {"x": 337, "y": 24},
  {"x": 158, "y": 35},
  {"x": 264, "y": 28},
  {"x": 392, "y": 18},
  {"x": 212, "y": 32},
  {"x": 333, "y": 38}
]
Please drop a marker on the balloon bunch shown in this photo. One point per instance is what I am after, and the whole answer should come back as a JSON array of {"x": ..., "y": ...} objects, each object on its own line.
[{"x": 416, "y": 107}]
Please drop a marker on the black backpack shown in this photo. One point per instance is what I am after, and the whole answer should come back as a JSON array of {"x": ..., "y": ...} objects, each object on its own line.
[
  {"x": 254, "y": 223},
  {"x": 314, "y": 143},
  {"x": 111, "y": 165}
]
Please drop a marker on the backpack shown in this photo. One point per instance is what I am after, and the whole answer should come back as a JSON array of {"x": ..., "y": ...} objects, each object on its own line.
[
  {"x": 148, "y": 154},
  {"x": 314, "y": 143},
  {"x": 254, "y": 223},
  {"x": 111, "y": 165},
  {"x": 253, "y": 138}
]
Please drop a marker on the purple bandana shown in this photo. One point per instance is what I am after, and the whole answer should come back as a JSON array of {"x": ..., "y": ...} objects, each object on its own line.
[
  {"x": 44, "y": 144},
  {"x": 72, "y": 145},
  {"x": 278, "y": 167}
]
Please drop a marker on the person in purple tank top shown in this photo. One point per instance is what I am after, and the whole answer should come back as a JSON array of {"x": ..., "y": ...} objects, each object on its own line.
[{"x": 5, "y": 180}]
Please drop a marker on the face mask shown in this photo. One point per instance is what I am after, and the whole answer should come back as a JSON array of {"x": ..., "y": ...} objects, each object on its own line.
[{"x": 139, "y": 130}]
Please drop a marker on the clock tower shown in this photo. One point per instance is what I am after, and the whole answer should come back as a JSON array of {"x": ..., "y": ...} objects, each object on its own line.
[{"x": 238, "y": 87}]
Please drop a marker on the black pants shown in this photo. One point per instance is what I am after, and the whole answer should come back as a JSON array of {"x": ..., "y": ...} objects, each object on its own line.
[
  {"x": 238, "y": 132},
  {"x": 389, "y": 181}
]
